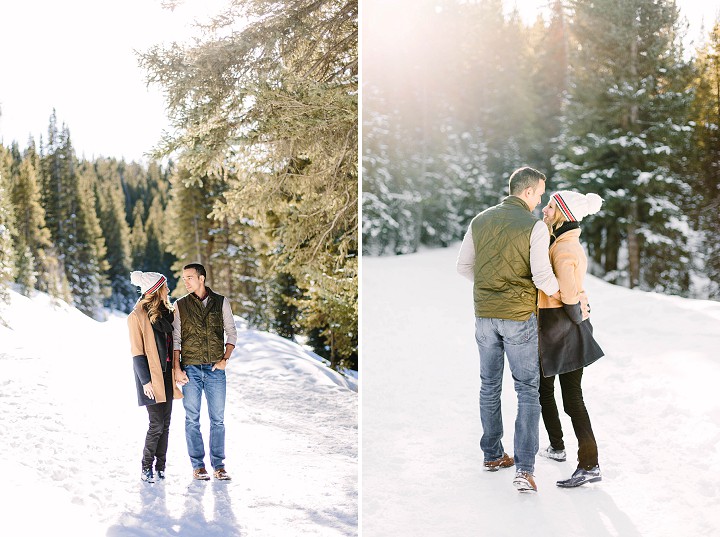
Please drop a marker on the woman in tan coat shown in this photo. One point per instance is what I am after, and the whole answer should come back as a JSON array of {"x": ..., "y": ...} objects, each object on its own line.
[
  {"x": 151, "y": 344},
  {"x": 565, "y": 334}
]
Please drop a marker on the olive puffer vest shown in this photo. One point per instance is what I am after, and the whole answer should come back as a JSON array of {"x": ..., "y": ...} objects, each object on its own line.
[
  {"x": 503, "y": 286},
  {"x": 202, "y": 330}
]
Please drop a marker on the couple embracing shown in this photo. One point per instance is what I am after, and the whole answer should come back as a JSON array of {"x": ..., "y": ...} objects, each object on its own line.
[
  {"x": 530, "y": 305},
  {"x": 187, "y": 344}
]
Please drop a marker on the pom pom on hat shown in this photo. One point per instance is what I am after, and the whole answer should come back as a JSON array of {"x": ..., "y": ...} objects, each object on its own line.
[
  {"x": 576, "y": 206},
  {"x": 148, "y": 282}
]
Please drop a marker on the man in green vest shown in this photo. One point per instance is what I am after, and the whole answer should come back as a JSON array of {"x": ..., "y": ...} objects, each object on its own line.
[
  {"x": 200, "y": 354},
  {"x": 505, "y": 255}
]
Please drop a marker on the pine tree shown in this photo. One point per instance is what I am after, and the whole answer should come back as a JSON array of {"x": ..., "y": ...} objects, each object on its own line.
[
  {"x": 550, "y": 70},
  {"x": 146, "y": 194},
  {"x": 35, "y": 268},
  {"x": 497, "y": 83},
  {"x": 7, "y": 264},
  {"x": 138, "y": 237},
  {"x": 706, "y": 159},
  {"x": 85, "y": 261},
  {"x": 285, "y": 296},
  {"x": 389, "y": 197},
  {"x": 625, "y": 128},
  {"x": 116, "y": 232},
  {"x": 447, "y": 117},
  {"x": 188, "y": 226},
  {"x": 158, "y": 256},
  {"x": 271, "y": 112},
  {"x": 70, "y": 202},
  {"x": 247, "y": 281}
]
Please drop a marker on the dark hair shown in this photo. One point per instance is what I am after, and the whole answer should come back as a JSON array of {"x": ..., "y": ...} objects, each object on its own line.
[
  {"x": 198, "y": 268},
  {"x": 523, "y": 178}
]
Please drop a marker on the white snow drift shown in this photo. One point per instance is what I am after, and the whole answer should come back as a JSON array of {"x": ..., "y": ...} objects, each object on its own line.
[
  {"x": 71, "y": 435},
  {"x": 652, "y": 400}
]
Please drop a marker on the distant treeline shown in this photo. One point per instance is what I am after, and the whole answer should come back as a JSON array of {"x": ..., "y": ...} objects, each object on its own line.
[
  {"x": 601, "y": 97},
  {"x": 262, "y": 188},
  {"x": 75, "y": 228}
]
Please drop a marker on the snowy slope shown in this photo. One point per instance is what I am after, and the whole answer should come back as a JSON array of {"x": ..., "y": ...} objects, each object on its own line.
[
  {"x": 652, "y": 400},
  {"x": 71, "y": 434}
]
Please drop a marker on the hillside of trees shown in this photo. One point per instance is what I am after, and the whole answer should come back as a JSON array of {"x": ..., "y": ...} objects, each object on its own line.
[
  {"x": 260, "y": 183},
  {"x": 602, "y": 97}
]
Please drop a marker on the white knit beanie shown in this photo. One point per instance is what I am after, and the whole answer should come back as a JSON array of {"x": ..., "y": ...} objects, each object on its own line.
[
  {"x": 576, "y": 206},
  {"x": 148, "y": 282}
]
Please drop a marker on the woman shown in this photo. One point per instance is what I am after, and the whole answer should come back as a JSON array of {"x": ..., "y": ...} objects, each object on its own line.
[
  {"x": 565, "y": 334},
  {"x": 150, "y": 327}
]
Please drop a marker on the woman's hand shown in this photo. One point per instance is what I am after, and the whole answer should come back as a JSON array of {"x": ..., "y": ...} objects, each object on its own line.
[
  {"x": 147, "y": 389},
  {"x": 584, "y": 305}
]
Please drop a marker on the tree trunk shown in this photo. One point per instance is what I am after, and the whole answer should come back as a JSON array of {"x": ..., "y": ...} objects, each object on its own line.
[
  {"x": 633, "y": 248},
  {"x": 612, "y": 245},
  {"x": 333, "y": 354},
  {"x": 633, "y": 243}
]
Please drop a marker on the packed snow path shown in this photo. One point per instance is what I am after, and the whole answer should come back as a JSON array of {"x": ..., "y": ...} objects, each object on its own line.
[
  {"x": 652, "y": 400},
  {"x": 72, "y": 435}
]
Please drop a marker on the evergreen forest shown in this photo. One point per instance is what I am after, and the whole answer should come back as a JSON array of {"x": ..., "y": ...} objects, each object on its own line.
[
  {"x": 602, "y": 96},
  {"x": 258, "y": 182}
]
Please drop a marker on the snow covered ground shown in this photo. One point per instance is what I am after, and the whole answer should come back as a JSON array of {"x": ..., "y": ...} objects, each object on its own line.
[
  {"x": 71, "y": 436},
  {"x": 653, "y": 401}
]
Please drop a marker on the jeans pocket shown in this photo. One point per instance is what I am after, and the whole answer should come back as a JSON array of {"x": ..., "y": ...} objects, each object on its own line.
[
  {"x": 519, "y": 332},
  {"x": 480, "y": 326}
]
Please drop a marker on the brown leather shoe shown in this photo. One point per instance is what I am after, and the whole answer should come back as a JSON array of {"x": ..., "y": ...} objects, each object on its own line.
[
  {"x": 524, "y": 482},
  {"x": 221, "y": 474},
  {"x": 503, "y": 462},
  {"x": 201, "y": 474}
]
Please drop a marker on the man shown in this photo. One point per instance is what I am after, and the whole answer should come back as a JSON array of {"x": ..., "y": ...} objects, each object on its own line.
[
  {"x": 204, "y": 319},
  {"x": 505, "y": 255}
]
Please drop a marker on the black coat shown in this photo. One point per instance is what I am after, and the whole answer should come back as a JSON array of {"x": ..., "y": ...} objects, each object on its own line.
[{"x": 565, "y": 345}]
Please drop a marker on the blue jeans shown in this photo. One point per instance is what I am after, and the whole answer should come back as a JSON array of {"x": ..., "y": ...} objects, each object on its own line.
[
  {"x": 202, "y": 378},
  {"x": 519, "y": 340}
]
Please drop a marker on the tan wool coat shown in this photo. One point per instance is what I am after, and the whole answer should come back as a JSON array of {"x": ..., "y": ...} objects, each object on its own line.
[
  {"x": 565, "y": 345},
  {"x": 569, "y": 264},
  {"x": 142, "y": 342}
]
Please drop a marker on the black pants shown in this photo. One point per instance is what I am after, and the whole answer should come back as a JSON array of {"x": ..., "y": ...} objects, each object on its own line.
[
  {"x": 156, "y": 439},
  {"x": 574, "y": 406}
]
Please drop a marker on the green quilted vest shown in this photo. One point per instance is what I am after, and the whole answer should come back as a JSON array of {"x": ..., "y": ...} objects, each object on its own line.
[
  {"x": 202, "y": 330},
  {"x": 503, "y": 287}
]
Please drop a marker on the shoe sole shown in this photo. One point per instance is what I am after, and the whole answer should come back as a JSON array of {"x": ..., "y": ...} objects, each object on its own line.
[
  {"x": 496, "y": 468},
  {"x": 581, "y": 483}
]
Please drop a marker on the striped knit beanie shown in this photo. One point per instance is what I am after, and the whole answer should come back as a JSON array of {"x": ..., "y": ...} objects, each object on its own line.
[
  {"x": 148, "y": 282},
  {"x": 574, "y": 206}
]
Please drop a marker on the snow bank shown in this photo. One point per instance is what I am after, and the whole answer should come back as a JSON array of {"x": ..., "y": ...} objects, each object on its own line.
[
  {"x": 72, "y": 435},
  {"x": 652, "y": 401}
]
